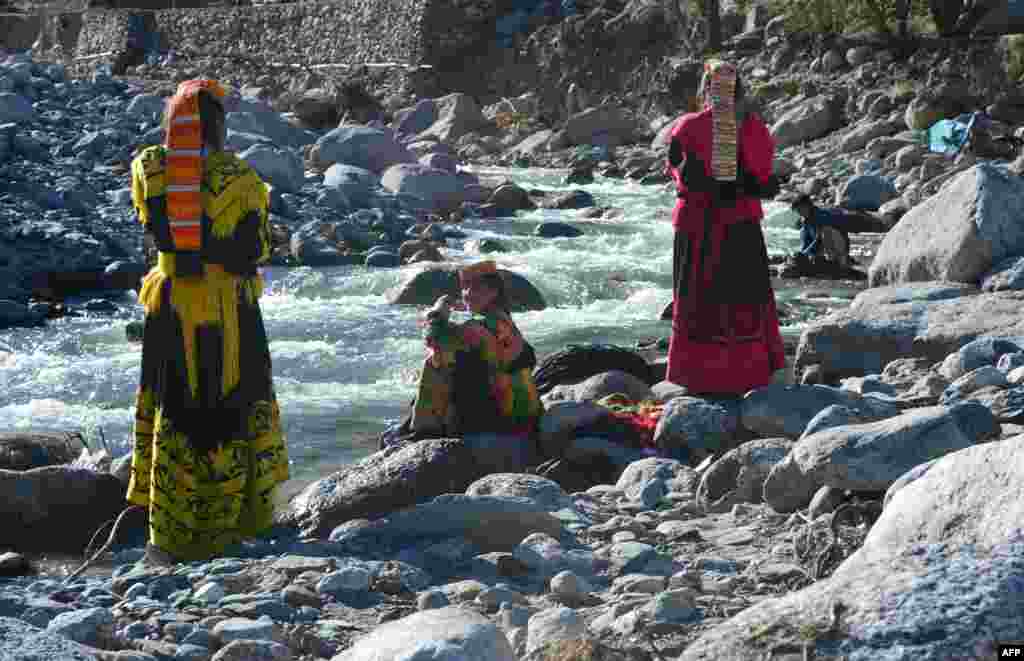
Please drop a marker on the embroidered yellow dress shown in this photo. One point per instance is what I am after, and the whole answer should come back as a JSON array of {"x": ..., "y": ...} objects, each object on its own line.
[
  {"x": 209, "y": 450},
  {"x": 478, "y": 378}
]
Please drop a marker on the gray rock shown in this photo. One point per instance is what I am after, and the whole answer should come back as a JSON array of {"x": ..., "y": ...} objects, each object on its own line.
[
  {"x": 426, "y": 286},
  {"x": 561, "y": 420},
  {"x": 15, "y": 109},
  {"x": 788, "y": 487},
  {"x": 983, "y": 352},
  {"x": 253, "y": 650},
  {"x": 546, "y": 493},
  {"x": 609, "y": 383},
  {"x": 20, "y": 640},
  {"x": 1010, "y": 361},
  {"x": 871, "y": 456},
  {"x": 860, "y": 136},
  {"x": 1006, "y": 275},
  {"x": 84, "y": 626},
  {"x": 810, "y": 120},
  {"x": 531, "y": 145},
  {"x": 457, "y": 115},
  {"x": 739, "y": 475},
  {"x": 783, "y": 410},
  {"x": 439, "y": 162},
  {"x": 269, "y": 124},
  {"x": 910, "y": 157},
  {"x": 383, "y": 259},
  {"x": 281, "y": 168},
  {"x": 552, "y": 230},
  {"x": 240, "y": 628},
  {"x": 691, "y": 427},
  {"x": 958, "y": 234},
  {"x": 866, "y": 192},
  {"x": 146, "y": 106},
  {"x": 983, "y": 377},
  {"x": 862, "y": 340},
  {"x": 347, "y": 580},
  {"x": 677, "y": 475},
  {"x": 441, "y": 634},
  {"x": 57, "y": 507},
  {"x": 239, "y": 141},
  {"x": 553, "y": 625},
  {"x": 431, "y": 599},
  {"x": 415, "y": 119},
  {"x": 825, "y": 501},
  {"x": 439, "y": 189},
  {"x": 839, "y": 416},
  {"x": 372, "y": 149},
  {"x": 602, "y": 125},
  {"x": 493, "y": 523},
  {"x": 20, "y": 451}
]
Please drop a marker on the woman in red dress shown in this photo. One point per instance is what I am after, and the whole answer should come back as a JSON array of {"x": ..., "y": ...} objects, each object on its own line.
[{"x": 725, "y": 330}]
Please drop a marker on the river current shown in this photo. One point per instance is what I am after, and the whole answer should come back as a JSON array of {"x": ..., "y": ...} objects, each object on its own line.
[{"x": 345, "y": 361}]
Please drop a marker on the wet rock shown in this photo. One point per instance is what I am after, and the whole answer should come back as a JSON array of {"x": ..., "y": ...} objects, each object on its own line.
[
  {"x": 386, "y": 481},
  {"x": 690, "y": 427},
  {"x": 552, "y": 230},
  {"x": 871, "y": 456},
  {"x": 383, "y": 259},
  {"x": 971, "y": 225},
  {"x": 428, "y": 285},
  {"x": 15, "y": 109},
  {"x": 440, "y": 189},
  {"x": 739, "y": 475},
  {"x": 449, "y": 633}
]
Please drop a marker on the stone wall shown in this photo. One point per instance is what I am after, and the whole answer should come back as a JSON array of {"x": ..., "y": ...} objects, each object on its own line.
[{"x": 347, "y": 31}]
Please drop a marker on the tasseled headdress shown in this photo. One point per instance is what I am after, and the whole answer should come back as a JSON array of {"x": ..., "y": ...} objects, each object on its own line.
[
  {"x": 718, "y": 87},
  {"x": 185, "y": 163}
]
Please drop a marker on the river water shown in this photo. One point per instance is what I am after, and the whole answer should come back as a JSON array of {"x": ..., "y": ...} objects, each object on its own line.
[{"x": 345, "y": 362}]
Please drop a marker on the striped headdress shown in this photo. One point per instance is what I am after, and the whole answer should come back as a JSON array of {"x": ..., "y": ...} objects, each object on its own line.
[
  {"x": 185, "y": 163},
  {"x": 718, "y": 87}
]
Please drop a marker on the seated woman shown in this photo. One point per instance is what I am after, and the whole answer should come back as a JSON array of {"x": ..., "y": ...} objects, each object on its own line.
[{"x": 478, "y": 377}]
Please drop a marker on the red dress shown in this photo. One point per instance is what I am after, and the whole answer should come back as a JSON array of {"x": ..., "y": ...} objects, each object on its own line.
[{"x": 725, "y": 330}]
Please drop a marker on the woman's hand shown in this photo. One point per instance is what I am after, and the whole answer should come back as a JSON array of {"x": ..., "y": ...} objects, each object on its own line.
[{"x": 441, "y": 309}]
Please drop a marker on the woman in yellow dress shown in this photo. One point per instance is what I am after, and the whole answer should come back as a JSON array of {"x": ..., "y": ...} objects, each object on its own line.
[{"x": 209, "y": 450}]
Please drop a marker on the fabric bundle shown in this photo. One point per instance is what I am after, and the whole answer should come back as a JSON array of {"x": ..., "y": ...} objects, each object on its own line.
[
  {"x": 720, "y": 95},
  {"x": 185, "y": 163}
]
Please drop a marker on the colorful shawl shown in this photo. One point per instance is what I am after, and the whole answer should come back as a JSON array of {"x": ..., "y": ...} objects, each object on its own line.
[
  {"x": 718, "y": 87},
  {"x": 185, "y": 163}
]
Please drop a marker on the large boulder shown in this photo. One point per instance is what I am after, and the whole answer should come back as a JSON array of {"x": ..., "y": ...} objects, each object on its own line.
[
  {"x": 357, "y": 184},
  {"x": 394, "y": 478},
  {"x": 281, "y": 168},
  {"x": 24, "y": 450},
  {"x": 871, "y": 456},
  {"x": 270, "y": 125},
  {"x": 739, "y": 475},
  {"x": 860, "y": 136},
  {"x": 440, "y": 189},
  {"x": 56, "y": 508},
  {"x": 368, "y": 148},
  {"x": 786, "y": 410},
  {"x": 812, "y": 119},
  {"x": 457, "y": 115},
  {"x": 957, "y": 234},
  {"x": 440, "y": 634},
  {"x": 426, "y": 286},
  {"x": 317, "y": 108},
  {"x": 865, "y": 338},
  {"x": 607, "y": 125},
  {"x": 544, "y": 492}
]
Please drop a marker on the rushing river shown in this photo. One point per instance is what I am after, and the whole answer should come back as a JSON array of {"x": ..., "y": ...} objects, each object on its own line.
[{"x": 345, "y": 362}]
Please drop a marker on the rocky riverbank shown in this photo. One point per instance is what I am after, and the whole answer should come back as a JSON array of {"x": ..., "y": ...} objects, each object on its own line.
[{"x": 874, "y": 518}]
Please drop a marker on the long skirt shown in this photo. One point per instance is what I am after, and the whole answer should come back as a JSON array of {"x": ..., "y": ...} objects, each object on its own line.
[
  {"x": 725, "y": 329},
  {"x": 205, "y": 464}
]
